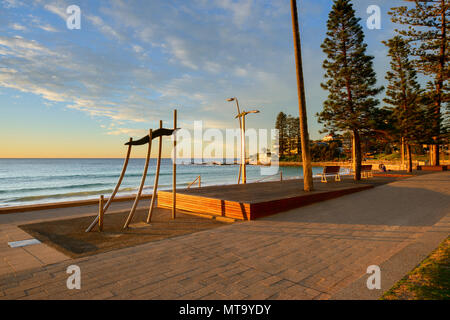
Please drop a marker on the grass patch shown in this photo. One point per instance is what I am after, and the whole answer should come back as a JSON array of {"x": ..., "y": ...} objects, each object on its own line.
[{"x": 430, "y": 280}]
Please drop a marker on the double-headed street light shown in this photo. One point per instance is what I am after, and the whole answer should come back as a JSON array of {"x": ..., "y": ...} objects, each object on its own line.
[
  {"x": 242, "y": 116},
  {"x": 240, "y": 131}
]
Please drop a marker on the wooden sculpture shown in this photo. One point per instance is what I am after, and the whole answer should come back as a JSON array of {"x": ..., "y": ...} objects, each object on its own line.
[
  {"x": 141, "y": 187},
  {"x": 159, "y": 133},
  {"x": 155, "y": 186}
]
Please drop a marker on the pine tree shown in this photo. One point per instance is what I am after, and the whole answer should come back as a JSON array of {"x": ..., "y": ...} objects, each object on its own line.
[
  {"x": 350, "y": 78},
  {"x": 405, "y": 97},
  {"x": 281, "y": 125},
  {"x": 427, "y": 31},
  {"x": 293, "y": 133}
]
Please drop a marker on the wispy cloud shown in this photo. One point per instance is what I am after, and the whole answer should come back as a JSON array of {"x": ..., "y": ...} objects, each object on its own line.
[
  {"x": 18, "y": 27},
  {"x": 133, "y": 61},
  {"x": 48, "y": 28}
]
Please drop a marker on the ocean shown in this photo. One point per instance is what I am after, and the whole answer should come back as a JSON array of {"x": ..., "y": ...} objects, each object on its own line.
[{"x": 37, "y": 181}]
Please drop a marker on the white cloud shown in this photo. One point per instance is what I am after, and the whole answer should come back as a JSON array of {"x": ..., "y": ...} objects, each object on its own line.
[
  {"x": 47, "y": 28},
  {"x": 128, "y": 132},
  {"x": 138, "y": 49},
  {"x": 18, "y": 27},
  {"x": 241, "y": 9},
  {"x": 23, "y": 47},
  {"x": 104, "y": 28},
  {"x": 137, "y": 60},
  {"x": 181, "y": 53},
  {"x": 58, "y": 8},
  {"x": 240, "y": 72}
]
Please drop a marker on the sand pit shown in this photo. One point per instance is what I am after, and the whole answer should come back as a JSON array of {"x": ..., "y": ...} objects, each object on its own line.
[{"x": 69, "y": 237}]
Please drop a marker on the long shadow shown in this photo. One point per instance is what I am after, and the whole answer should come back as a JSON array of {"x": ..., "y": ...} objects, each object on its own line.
[{"x": 385, "y": 205}]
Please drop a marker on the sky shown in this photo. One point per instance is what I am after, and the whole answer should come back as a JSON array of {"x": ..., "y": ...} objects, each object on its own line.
[{"x": 82, "y": 93}]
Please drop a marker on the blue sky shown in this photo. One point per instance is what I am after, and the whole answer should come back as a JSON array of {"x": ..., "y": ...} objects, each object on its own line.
[{"x": 77, "y": 93}]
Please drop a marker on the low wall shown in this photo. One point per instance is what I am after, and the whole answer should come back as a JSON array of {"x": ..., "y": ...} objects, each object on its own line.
[{"x": 390, "y": 165}]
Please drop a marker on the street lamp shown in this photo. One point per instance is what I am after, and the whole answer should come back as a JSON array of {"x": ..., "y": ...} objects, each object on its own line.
[
  {"x": 242, "y": 116},
  {"x": 240, "y": 130}
]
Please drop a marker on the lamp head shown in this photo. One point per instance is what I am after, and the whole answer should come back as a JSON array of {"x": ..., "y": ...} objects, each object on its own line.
[{"x": 230, "y": 99}]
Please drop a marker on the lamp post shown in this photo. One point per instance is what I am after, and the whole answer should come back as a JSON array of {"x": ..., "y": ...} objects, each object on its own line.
[
  {"x": 240, "y": 130},
  {"x": 242, "y": 116}
]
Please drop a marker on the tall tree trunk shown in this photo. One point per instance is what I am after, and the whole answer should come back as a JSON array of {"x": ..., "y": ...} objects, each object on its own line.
[
  {"x": 304, "y": 134},
  {"x": 353, "y": 153},
  {"x": 435, "y": 155},
  {"x": 357, "y": 154},
  {"x": 408, "y": 151},
  {"x": 440, "y": 83},
  {"x": 403, "y": 151},
  {"x": 430, "y": 153}
]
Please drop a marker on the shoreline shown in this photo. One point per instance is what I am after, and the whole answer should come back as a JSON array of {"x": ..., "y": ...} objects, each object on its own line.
[
  {"x": 391, "y": 166},
  {"x": 65, "y": 204}
]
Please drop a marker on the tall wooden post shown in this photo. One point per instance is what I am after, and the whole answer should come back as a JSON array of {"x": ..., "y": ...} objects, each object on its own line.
[
  {"x": 174, "y": 166},
  {"x": 101, "y": 213},
  {"x": 306, "y": 156}
]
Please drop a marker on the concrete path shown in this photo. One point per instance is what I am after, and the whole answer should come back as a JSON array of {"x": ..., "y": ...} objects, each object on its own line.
[{"x": 317, "y": 252}]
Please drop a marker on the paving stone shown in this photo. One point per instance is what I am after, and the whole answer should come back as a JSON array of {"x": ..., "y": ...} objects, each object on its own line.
[{"x": 313, "y": 252}]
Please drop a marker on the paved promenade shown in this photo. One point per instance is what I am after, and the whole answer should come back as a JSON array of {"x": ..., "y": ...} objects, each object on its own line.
[{"x": 320, "y": 251}]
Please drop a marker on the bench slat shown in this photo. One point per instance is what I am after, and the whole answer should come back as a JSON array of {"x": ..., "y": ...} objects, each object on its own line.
[{"x": 331, "y": 169}]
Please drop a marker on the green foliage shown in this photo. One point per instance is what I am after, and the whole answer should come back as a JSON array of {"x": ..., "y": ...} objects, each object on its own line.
[
  {"x": 404, "y": 95},
  {"x": 319, "y": 152},
  {"x": 293, "y": 134},
  {"x": 350, "y": 78},
  {"x": 289, "y": 134},
  {"x": 388, "y": 149},
  {"x": 427, "y": 32},
  {"x": 325, "y": 152},
  {"x": 281, "y": 125}
]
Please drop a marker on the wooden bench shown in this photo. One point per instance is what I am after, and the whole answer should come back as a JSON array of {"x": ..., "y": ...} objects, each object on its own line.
[
  {"x": 366, "y": 171},
  {"x": 331, "y": 171}
]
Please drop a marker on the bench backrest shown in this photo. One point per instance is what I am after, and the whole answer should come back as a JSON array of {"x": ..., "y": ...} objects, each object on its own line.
[
  {"x": 331, "y": 169},
  {"x": 366, "y": 167}
]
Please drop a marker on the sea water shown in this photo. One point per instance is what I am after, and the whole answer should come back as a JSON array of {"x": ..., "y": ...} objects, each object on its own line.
[{"x": 36, "y": 181}]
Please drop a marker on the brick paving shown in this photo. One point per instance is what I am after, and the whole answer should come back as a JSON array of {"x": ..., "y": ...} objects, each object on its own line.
[{"x": 320, "y": 251}]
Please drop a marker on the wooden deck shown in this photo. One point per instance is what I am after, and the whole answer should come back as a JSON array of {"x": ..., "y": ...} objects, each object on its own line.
[{"x": 255, "y": 200}]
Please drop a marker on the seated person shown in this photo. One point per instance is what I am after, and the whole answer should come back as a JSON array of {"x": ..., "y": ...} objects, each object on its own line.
[{"x": 382, "y": 167}]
